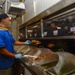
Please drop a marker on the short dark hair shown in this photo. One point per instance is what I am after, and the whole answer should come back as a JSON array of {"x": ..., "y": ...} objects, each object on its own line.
[{"x": 3, "y": 16}]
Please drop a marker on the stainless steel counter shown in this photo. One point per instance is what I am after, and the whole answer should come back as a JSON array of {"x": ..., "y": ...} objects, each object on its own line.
[{"x": 49, "y": 62}]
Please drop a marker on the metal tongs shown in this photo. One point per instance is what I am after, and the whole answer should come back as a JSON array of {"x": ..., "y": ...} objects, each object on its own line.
[
  {"x": 33, "y": 56},
  {"x": 29, "y": 56}
]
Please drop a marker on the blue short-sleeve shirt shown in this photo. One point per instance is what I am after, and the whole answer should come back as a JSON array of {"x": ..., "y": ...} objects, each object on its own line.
[{"x": 6, "y": 41}]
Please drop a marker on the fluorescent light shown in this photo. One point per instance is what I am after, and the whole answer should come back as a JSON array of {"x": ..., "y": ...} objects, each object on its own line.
[{"x": 20, "y": 5}]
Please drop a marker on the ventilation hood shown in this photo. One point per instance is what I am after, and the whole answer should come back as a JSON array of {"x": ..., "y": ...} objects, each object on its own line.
[{"x": 16, "y": 8}]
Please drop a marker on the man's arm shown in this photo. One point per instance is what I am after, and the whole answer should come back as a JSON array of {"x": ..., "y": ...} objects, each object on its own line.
[
  {"x": 19, "y": 43},
  {"x": 5, "y": 52},
  {"x": 27, "y": 42}
]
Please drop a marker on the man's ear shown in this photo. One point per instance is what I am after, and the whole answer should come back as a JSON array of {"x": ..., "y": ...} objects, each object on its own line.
[{"x": 3, "y": 20}]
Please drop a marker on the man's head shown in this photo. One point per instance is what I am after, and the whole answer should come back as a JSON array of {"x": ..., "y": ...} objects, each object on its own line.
[
  {"x": 53, "y": 25},
  {"x": 3, "y": 16},
  {"x": 4, "y": 19}
]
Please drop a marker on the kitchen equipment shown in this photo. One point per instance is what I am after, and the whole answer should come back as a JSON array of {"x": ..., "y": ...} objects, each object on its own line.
[
  {"x": 65, "y": 65},
  {"x": 24, "y": 49},
  {"x": 29, "y": 56},
  {"x": 41, "y": 53}
]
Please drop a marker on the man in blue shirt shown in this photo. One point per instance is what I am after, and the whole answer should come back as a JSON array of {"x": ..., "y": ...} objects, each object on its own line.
[{"x": 7, "y": 43}]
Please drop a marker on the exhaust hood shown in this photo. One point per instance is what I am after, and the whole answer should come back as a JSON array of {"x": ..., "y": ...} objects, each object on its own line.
[{"x": 16, "y": 8}]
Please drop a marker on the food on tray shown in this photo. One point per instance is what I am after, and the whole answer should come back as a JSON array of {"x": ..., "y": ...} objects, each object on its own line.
[{"x": 49, "y": 65}]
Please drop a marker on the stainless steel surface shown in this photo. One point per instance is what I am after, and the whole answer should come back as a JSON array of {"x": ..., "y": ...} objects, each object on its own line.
[
  {"x": 60, "y": 37},
  {"x": 34, "y": 63},
  {"x": 51, "y": 57},
  {"x": 57, "y": 7},
  {"x": 41, "y": 54},
  {"x": 24, "y": 49},
  {"x": 59, "y": 63},
  {"x": 65, "y": 65},
  {"x": 49, "y": 62}
]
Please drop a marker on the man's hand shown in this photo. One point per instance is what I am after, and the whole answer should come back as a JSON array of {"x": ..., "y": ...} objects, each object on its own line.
[
  {"x": 27, "y": 42},
  {"x": 18, "y": 56},
  {"x": 36, "y": 42}
]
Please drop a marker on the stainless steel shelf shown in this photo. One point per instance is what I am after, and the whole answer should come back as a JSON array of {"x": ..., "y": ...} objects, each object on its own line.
[{"x": 57, "y": 37}]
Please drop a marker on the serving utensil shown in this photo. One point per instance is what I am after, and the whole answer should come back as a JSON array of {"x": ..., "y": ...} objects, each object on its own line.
[{"x": 29, "y": 56}]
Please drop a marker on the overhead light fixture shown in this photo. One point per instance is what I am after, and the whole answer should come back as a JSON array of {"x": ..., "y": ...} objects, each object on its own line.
[
  {"x": 16, "y": 7},
  {"x": 19, "y": 5}
]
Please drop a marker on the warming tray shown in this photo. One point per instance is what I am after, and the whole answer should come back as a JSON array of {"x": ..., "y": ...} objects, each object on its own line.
[
  {"x": 58, "y": 63},
  {"x": 46, "y": 62},
  {"x": 24, "y": 49},
  {"x": 65, "y": 65},
  {"x": 40, "y": 53}
]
